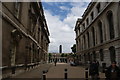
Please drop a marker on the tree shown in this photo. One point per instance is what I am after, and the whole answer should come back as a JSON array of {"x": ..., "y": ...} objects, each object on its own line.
[
  {"x": 49, "y": 55},
  {"x": 74, "y": 48},
  {"x": 66, "y": 55},
  {"x": 62, "y": 55}
]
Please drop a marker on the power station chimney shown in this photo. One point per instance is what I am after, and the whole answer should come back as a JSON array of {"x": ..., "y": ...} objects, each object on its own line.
[{"x": 60, "y": 49}]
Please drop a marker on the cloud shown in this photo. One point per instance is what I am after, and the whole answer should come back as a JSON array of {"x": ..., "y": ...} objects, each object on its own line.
[
  {"x": 64, "y": 8},
  {"x": 76, "y": 12},
  {"x": 52, "y": 40},
  {"x": 61, "y": 31}
]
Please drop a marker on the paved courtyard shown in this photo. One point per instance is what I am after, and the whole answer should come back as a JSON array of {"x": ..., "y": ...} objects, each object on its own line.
[
  {"x": 73, "y": 71},
  {"x": 56, "y": 72}
]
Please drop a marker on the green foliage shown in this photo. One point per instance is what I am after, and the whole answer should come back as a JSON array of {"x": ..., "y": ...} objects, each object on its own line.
[
  {"x": 65, "y": 55},
  {"x": 62, "y": 55},
  {"x": 74, "y": 48},
  {"x": 50, "y": 55}
]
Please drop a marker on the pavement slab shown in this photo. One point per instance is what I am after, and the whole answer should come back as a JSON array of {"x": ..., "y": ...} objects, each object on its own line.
[{"x": 55, "y": 72}]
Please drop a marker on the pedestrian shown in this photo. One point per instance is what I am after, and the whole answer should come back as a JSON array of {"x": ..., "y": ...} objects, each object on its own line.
[
  {"x": 113, "y": 72},
  {"x": 93, "y": 71},
  {"x": 97, "y": 64},
  {"x": 55, "y": 61}
]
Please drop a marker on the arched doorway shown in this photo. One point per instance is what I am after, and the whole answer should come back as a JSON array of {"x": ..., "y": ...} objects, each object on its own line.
[
  {"x": 16, "y": 36},
  {"x": 101, "y": 55},
  {"x": 112, "y": 54}
]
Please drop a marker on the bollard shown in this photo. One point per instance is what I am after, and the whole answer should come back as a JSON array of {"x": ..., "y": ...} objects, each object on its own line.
[
  {"x": 86, "y": 73},
  {"x": 65, "y": 74},
  {"x": 13, "y": 70},
  {"x": 44, "y": 75}
]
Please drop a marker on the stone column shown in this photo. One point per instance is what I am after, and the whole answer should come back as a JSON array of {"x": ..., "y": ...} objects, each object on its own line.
[
  {"x": 97, "y": 55},
  {"x": 116, "y": 21},
  {"x": 104, "y": 30},
  {"x": 107, "y": 33},
  {"x": 97, "y": 34},
  {"x": 117, "y": 48}
]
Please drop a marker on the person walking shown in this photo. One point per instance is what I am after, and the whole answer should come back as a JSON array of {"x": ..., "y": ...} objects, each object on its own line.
[
  {"x": 113, "y": 72},
  {"x": 55, "y": 61},
  {"x": 93, "y": 71}
]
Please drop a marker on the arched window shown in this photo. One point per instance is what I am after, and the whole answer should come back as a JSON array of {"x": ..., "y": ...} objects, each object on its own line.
[
  {"x": 112, "y": 53},
  {"x": 111, "y": 24},
  {"x": 88, "y": 39},
  {"x": 17, "y": 6},
  {"x": 100, "y": 31},
  {"x": 101, "y": 55},
  {"x": 84, "y": 42},
  {"x": 93, "y": 36},
  {"x": 98, "y": 7}
]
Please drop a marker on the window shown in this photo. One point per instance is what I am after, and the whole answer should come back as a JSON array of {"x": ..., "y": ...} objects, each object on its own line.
[
  {"x": 17, "y": 9},
  {"x": 92, "y": 16},
  {"x": 100, "y": 31},
  {"x": 101, "y": 55},
  {"x": 110, "y": 24},
  {"x": 98, "y": 8},
  {"x": 83, "y": 26},
  {"x": 87, "y": 21},
  {"x": 88, "y": 39},
  {"x": 93, "y": 36},
  {"x": 112, "y": 53},
  {"x": 84, "y": 42}
]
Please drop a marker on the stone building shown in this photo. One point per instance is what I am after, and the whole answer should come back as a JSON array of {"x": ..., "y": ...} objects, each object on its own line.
[
  {"x": 60, "y": 57},
  {"x": 98, "y": 33},
  {"x": 25, "y": 36}
]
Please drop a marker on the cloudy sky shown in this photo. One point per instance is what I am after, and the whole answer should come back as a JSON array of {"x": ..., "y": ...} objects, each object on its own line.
[{"x": 61, "y": 19}]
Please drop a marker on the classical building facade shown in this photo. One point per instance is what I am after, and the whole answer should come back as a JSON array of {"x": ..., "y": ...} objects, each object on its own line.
[
  {"x": 98, "y": 33},
  {"x": 60, "y": 57},
  {"x": 25, "y": 36}
]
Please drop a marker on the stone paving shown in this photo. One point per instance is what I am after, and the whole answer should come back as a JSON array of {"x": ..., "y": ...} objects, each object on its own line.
[
  {"x": 73, "y": 71},
  {"x": 35, "y": 73},
  {"x": 56, "y": 72}
]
